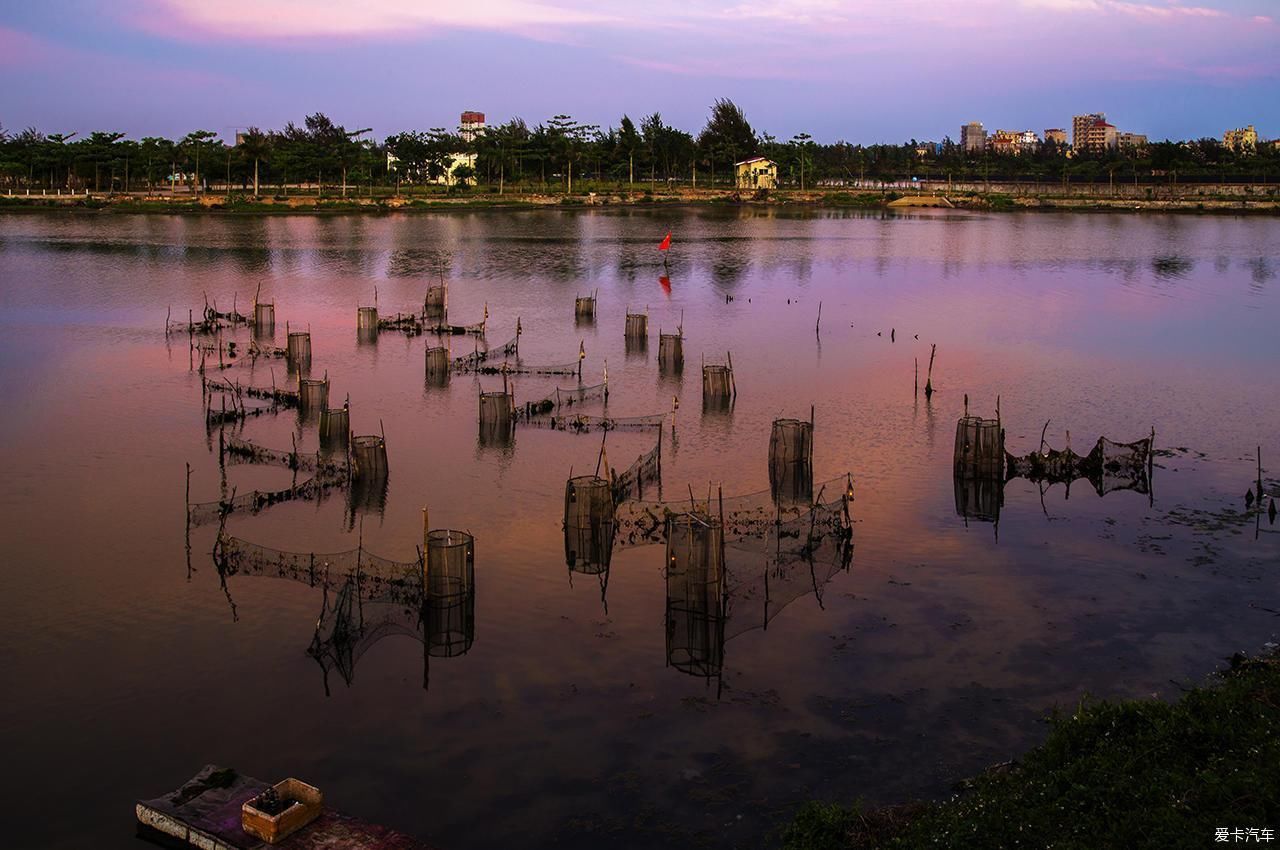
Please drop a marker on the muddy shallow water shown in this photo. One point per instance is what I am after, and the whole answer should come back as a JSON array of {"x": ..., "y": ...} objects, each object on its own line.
[{"x": 932, "y": 655}]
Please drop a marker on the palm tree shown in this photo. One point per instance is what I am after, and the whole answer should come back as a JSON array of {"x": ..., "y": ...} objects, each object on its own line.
[
  {"x": 255, "y": 145},
  {"x": 196, "y": 139}
]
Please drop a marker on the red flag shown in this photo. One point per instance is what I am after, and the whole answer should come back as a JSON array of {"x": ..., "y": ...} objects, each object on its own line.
[
  {"x": 665, "y": 283},
  {"x": 665, "y": 244}
]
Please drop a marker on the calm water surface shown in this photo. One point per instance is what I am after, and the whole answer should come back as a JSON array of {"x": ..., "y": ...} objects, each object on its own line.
[{"x": 932, "y": 656}]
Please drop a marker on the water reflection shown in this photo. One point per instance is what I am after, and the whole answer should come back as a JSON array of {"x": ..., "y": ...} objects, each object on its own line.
[
  {"x": 367, "y": 598},
  {"x": 982, "y": 467}
]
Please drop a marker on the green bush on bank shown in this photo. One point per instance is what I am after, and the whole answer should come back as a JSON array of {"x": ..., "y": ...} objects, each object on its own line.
[{"x": 1139, "y": 773}]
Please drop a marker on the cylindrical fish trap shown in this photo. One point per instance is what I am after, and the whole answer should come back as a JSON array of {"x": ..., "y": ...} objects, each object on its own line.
[
  {"x": 313, "y": 395},
  {"x": 368, "y": 457},
  {"x": 637, "y": 326},
  {"x": 979, "y": 450},
  {"x": 264, "y": 317},
  {"x": 717, "y": 382},
  {"x": 437, "y": 302},
  {"x": 335, "y": 427},
  {"x": 367, "y": 496},
  {"x": 979, "y": 498},
  {"x": 438, "y": 365},
  {"x": 584, "y": 307},
  {"x": 366, "y": 318},
  {"x": 791, "y": 461},
  {"x": 450, "y": 584},
  {"x": 670, "y": 353},
  {"x": 497, "y": 409},
  {"x": 588, "y": 524},
  {"x": 695, "y": 594},
  {"x": 298, "y": 349}
]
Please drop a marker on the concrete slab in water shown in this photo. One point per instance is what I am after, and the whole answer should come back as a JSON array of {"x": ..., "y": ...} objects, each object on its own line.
[{"x": 205, "y": 813}]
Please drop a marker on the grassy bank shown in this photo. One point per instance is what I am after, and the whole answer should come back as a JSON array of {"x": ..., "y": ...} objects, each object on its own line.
[
  {"x": 464, "y": 201},
  {"x": 1139, "y": 773}
]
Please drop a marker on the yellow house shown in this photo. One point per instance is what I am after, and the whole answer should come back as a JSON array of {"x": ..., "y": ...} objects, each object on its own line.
[{"x": 756, "y": 173}]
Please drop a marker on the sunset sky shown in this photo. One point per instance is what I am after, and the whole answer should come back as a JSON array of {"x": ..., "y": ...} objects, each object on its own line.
[{"x": 859, "y": 70}]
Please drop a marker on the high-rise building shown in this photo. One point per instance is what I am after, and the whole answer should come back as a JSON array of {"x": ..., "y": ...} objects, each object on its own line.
[
  {"x": 1244, "y": 140},
  {"x": 1056, "y": 135},
  {"x": 471, "y": 125},
  {"x": 973, "y": 137},
  {"x": 1092, "y": 132}
]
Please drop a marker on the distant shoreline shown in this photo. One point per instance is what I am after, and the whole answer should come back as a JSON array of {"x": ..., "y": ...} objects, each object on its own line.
[{"x": 238, "y": 204}]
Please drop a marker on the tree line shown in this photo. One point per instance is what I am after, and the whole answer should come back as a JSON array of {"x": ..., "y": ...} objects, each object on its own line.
[{"x": 561, "y": 153}]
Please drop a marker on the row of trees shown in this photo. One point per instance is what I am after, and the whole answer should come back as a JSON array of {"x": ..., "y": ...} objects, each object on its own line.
[{"x": 556, "y": 153}]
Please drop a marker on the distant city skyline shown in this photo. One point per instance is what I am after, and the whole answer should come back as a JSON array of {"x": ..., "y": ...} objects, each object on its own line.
[{"x": 864, "y": 71}]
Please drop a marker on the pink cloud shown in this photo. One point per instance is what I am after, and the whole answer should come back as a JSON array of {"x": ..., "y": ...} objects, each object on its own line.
[{"x": 18, "y": 48}]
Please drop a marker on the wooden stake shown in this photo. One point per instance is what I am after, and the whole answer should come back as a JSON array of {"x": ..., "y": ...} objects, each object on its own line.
[
  {"x": 817, "y": 328},
  {"x": 1259, "y": 476},
  {"x": 928, "y": 384}
]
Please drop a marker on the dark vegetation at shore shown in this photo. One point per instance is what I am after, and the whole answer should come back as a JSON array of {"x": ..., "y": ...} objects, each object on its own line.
[
  {"x": 561, "y": 154},
  {"x": 1137, "y": 773}
]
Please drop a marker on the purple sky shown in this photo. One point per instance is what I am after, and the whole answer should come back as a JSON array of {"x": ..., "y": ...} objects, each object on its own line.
[{"x": 859, "y": 70}]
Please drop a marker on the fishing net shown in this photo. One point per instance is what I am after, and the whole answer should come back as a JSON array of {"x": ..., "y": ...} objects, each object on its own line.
[
  {"x": 642, "y": 523},
  {"x": 329, "y": 473},
  {"x": 237, "y": 450},
  {"x": 1109, "y": 466},
  {"x": 210, "y": 322},
  {"x": 444, "y": 329},
  {"x": 520, "y": 367},
  {"x": 719, "y": 588},
  {"x": 646, "y": 469},
  {"x": 278, "y": 397},
  {"x": 410, "y": 324},
  {"x": 581, "y": 423},
  {"x": 313, "y": 489},
  {"x": 348, "y": 628},
  {"x": 792, "y": 558},
  {"x": 471, "y": 362},
  {"x": 581, "y": 394},
  {"x": 378, "y": 578}
]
